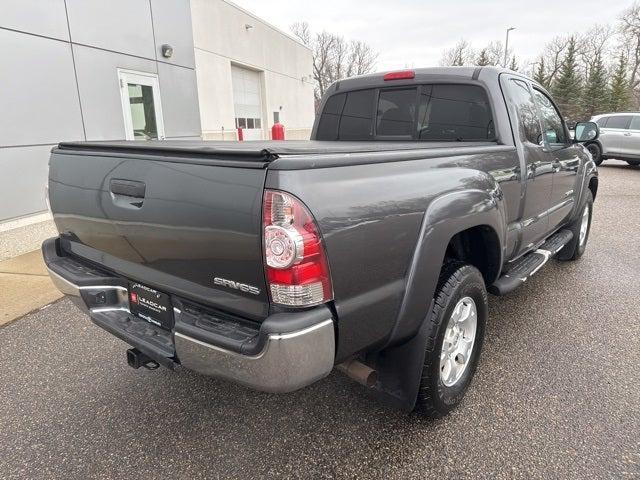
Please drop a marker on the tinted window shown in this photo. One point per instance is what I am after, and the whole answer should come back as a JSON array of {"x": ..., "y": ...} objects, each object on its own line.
[
  {"x": 602, "y": 121},
  {"x": 455, "y": 113},
  {"x": 396, "y": 112},
  {"x": 445, "y": 113},
  {"x": 357, "y": 116},
  {"x": 527, "y": 114},
  {"x": 635, "y": 123},
  {"x": 330, "y": 118},
  {"x": 551, "y": 120},
  {"x": 619, "y": 121}
]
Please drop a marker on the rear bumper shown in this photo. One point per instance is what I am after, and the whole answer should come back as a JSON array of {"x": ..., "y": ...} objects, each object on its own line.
[
  {"x": 288, "y": 361},
  {"x": 288, "y": 351}
]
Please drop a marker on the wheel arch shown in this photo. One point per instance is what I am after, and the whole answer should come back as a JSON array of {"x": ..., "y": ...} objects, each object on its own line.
[
  {"x": 479, "y": 246},
  {"x": 449, "y": 225}
]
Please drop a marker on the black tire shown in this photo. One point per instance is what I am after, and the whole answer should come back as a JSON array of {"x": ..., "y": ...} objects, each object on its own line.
[
  {"x": 596, "y": 153},
  {"x": 574, "y": 249},
  {"x": 457, "y": 281},
  {"x": 633, "y": 163}
]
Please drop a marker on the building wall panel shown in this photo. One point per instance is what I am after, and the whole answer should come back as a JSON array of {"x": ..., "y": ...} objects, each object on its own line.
[
  {"x": 118, "y": 25},
  {"x": 179, "y": 94},
  {"x": 23, "y": 180},
  {"x": 172, "y": 25},
  {"x": 41, "y": 17},
  {"x": 215, "y": 92},
  {"x": 38, "y": 96}
]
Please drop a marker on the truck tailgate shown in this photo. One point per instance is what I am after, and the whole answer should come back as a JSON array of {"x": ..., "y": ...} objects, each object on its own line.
[{"x": 169, "y": 221}]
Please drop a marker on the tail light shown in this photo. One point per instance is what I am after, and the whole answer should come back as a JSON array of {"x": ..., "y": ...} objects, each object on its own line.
[{"x": 295, "y": 260}]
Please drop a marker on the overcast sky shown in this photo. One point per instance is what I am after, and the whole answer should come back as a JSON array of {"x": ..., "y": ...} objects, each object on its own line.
[{"x": 414, "y": 33}]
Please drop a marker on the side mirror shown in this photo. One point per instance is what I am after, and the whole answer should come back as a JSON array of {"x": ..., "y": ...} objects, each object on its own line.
[{"x": 586, "y": 131}]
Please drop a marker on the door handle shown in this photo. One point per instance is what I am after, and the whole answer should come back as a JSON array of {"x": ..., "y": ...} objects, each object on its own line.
[
  {"x": 127, "y": 188},
  {"x": 556, "y": 167},
  {"x": 627, "y": 134}
]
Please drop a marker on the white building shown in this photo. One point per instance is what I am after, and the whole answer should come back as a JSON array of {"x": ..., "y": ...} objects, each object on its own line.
[
  {"x": 249, "y": 73},
  {"x": 137, "y": 69}
]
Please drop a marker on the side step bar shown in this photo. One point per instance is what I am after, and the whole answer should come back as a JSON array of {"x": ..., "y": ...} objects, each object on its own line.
[{"x": 523, "y": 268}]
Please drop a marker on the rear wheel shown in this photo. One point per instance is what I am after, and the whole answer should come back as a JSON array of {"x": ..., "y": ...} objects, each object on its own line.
[
  {"x": 596, "y": 153},
  {"x": 457, "y": 324},
  {"x": 580, "y": 228}
]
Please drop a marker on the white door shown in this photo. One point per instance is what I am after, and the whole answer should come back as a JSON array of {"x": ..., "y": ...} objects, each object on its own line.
[
  {"x": 630, "y": 141},
  {"x": 247, "y": 102},
  {"x": 613, "y": 132},
  {"x": 140, "y": 93}
]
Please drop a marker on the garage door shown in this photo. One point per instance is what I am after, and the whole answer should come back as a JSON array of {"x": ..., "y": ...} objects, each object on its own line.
[{"x": 247, "y": 102}]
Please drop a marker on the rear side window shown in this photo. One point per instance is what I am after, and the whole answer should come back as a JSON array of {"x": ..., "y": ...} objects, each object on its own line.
[
  {"x": 619, "y": 121},
  {"x": 330, "y": 118},
  {"x": 455, "y": 113},
  {"x": 635, "y": 123},
  {"x": 357, "y": 116},
  {"x": 423, "y": 113}
]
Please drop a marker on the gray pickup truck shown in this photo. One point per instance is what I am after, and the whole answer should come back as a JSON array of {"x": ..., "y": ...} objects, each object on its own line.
[{"x": 370, "y": 247}]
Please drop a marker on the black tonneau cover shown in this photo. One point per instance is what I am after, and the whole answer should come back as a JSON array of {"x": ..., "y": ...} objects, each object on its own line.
[{"x": 260, "y": 150}]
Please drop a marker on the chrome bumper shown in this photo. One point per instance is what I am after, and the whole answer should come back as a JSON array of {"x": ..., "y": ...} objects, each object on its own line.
[
  {"x": 119, "y": 298},
  {"x": 288, "y": 361},
  {"x": 295, "y": 349}
]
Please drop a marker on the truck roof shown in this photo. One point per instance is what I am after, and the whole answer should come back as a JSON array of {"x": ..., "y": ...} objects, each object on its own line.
[{"x": 430, "y": 74}]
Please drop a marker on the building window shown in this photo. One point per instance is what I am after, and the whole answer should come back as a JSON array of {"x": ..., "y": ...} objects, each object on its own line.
[
  {"x": 248, "y": 123},
  {"x": 141, "y": 108}
]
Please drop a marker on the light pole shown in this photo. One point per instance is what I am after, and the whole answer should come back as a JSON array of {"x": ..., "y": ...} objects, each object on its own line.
[{"x": 506, "y": 46}]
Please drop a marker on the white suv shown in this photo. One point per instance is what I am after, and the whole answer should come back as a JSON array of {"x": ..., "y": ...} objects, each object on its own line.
[{"x": 619, "y": 138}]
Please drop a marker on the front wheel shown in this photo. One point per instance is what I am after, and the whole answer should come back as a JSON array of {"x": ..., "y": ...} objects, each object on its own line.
[
  {"x": 456, "y": 330},
  {"x": 596, "y": 153},
  {"x": 633, "y": 163}
]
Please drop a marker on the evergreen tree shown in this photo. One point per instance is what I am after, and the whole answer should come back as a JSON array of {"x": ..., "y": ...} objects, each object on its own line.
[
  {"x": 595, "y": 96},
  {"x": 540, "y": 74},
  {"x": 483, "y": 58},
  {"x": 514, "y": 64},
  {"x": 620, "y": 91},
  {"x": 566, "y": 89}
]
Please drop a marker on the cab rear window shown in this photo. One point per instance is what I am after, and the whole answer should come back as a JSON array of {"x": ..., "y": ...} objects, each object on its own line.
[{"x": 439, "y": 112}]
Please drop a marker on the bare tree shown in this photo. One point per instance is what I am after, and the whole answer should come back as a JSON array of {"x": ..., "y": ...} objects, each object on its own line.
[
  {"x": 596, "y": 41},
  {"x": 460, "y": 54},
  {"x": 553, "y": 55},
  {"x": 630, "y": 30},
  {"x": 496, "y": 53},
  {"x": 334, "y": 57},
  {"x": 362, "y": 59}
]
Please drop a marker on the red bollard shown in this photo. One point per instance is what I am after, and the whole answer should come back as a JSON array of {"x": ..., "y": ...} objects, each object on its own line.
[
  {"x": 240, "y": 134},
  {"x": 277, "y": 131}
]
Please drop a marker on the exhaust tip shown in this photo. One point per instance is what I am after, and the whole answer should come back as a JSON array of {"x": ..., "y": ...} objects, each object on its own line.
[{"x": 360, "y": 372}]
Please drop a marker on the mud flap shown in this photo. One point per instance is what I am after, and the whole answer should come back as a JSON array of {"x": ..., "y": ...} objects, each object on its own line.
[{"x": 400, "y": 370}]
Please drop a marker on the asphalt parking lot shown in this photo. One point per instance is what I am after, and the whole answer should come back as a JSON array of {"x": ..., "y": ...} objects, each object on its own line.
[{"x": 557, "y": 393}]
